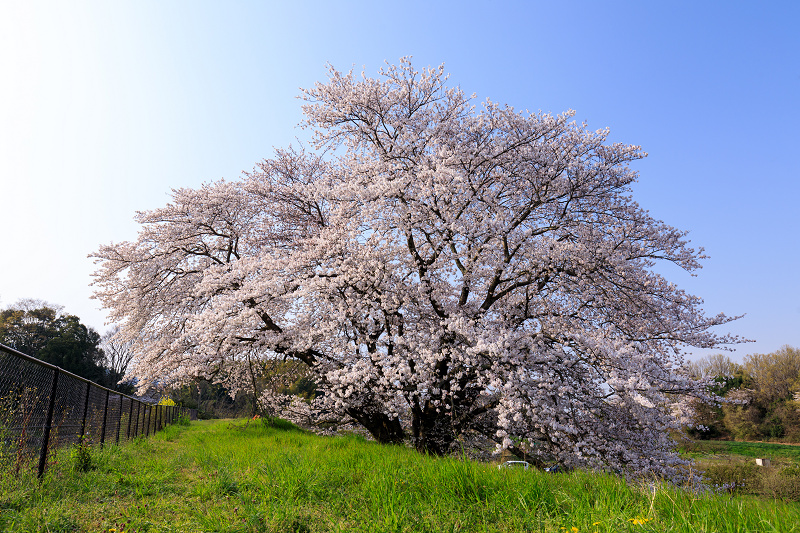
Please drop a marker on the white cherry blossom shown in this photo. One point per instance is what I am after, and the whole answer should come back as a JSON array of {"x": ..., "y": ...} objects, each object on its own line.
[{"x": 442, "y": 269}]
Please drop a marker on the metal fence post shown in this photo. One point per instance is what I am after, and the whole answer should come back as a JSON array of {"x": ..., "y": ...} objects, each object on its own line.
[
  {"x": 119, "y": 418},
  {"x": 138, "y": 412},
  {"x": 46, "y": 436},
  {"x": 148, "y": 414},
  {"x": 105, "y": 416},
  {"x": 130, "y": 417},
  {"x": 85, "y": 411}
]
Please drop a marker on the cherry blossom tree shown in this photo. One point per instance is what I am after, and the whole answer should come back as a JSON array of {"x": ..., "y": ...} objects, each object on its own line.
[{"x": 442, "y": 269}]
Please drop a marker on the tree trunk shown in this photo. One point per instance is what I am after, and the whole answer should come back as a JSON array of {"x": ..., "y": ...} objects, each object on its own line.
[
  {"x": 383, "y": 429},
  {"x": 433, "y": 431}
]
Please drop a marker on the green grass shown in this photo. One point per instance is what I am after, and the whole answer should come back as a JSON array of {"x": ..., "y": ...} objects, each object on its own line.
[
  {"x": 730, "y": 465},
  {"x": 224, "y": 477},
  {"x": 746, "y": 449}
]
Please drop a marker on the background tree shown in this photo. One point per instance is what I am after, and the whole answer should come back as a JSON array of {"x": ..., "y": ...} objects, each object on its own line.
[
  {"x": 118, "y": 354},
  {"x": 721, "y": 375},
  {"x": 770, "y": 411},
  {"x": 465, "y": 270},
  {"x": 212, "y": 400},
  {"x": 760, "y": 394},
  {"x": 28, "y": 325},
  {"x": 713, "y": 366},
  {"x": 43, "y": 331},
  {"x": 776, "y": 375}
]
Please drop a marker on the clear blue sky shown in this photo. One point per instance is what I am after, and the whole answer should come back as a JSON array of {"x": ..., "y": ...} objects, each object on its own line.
[{"x": 106, "y": 106}]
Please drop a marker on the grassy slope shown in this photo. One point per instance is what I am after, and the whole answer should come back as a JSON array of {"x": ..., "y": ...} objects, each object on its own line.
[
  {"x": 218, "y": 476},
  {"x": 748, "y": 449}
]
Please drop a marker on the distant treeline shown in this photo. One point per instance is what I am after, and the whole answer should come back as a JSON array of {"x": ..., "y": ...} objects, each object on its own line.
[
  {"x": 213, "y": 400},
  {"x": 764, "y": 394},
  {"x": 45, "y": 332}
]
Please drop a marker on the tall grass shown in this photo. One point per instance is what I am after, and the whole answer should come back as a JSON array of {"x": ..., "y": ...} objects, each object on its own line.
[{"x": 227, "y": 477}]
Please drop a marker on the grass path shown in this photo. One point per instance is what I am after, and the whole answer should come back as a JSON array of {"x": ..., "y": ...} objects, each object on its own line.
[{"x": 224, "y": 477}]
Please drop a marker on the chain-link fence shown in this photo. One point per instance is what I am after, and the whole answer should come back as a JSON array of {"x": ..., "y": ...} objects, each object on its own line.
[{"x": 43, "y": 407}]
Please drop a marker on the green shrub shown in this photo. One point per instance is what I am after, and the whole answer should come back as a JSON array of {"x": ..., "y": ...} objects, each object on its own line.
[
  {"x": 742, "y": 422},
  {"x": 791, "y": 471},
  {"x": 279, "y": 423},
  {"x": 772, "y": 427},
  {"x": 746, "y": 478},
  {"x": 81, "y": 455},
  {"x": 733, "y": 478},
  {"x": 782, "y": 483}
]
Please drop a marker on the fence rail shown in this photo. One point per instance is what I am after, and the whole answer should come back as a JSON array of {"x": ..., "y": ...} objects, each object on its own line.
[{"x": 43, "y": 407}]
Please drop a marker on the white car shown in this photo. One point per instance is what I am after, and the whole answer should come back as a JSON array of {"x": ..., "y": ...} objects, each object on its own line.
[{"x": 514, "y": 464}]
